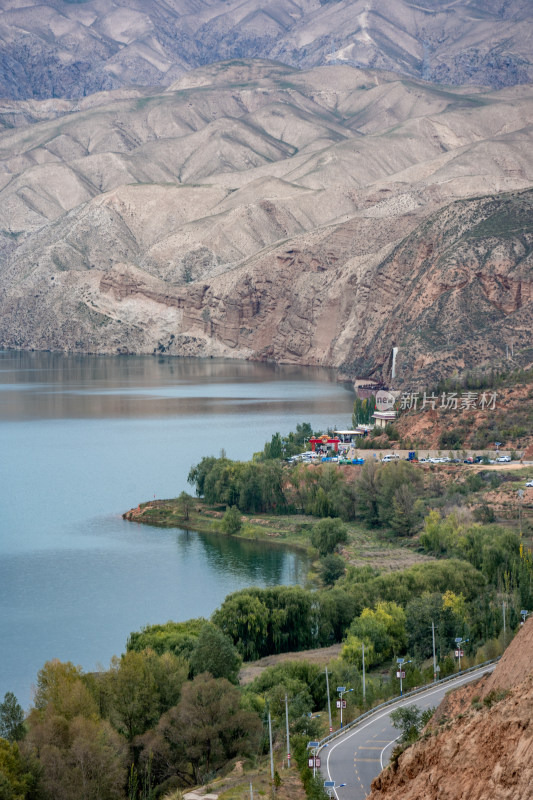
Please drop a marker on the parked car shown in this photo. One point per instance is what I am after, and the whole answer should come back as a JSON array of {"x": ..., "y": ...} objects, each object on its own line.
[
  {"x": 469, "y": 460},
  {"x": 529, "y": 483},
  {"x": 390, "y": 457},
  {"x": 503, "y": 459}
]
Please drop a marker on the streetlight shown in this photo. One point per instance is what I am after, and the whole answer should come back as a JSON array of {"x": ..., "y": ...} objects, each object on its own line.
[
  {"x": 524, "y": 613},
  {"x": 331, "y": 786},
  {"x": 401, "y": 662},
  {"x": 458, "y": 651},
  {"x": 314, "y": 760},
  {"x": 342, "y": 690}
]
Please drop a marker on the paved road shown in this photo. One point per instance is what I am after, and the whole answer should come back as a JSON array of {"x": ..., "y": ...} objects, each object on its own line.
[{"x": 356, "y": 757}]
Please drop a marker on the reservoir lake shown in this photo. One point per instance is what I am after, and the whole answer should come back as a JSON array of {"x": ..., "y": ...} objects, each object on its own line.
[{"x": 83, "y": 439}]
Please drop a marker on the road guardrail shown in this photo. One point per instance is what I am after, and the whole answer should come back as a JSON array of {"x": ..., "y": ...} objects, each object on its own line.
[{"x": 413, "y": 693}]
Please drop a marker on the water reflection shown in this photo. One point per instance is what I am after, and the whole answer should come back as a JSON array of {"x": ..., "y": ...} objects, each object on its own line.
[
  {"x": 253, "y": 561},
  {"x": 52, "y": 386},
  {"x": 85, "y": 438}
]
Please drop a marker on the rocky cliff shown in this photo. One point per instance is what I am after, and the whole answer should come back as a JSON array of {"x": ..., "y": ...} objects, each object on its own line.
[{"x": 480, "y": 744}]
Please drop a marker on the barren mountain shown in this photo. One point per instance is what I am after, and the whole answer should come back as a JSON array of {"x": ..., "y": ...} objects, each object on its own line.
[
  {"x": 253, "y": 210},
  {"x": 480, "y": 744},
  {"x": 73, "y": 48}
]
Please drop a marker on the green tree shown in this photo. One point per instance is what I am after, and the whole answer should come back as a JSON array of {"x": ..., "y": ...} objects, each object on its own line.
[
  {"x": 178, "y": 638},
  {"x": 399, "y": 482},
  {"x": 331, "y": 568},
  {"x": 11, "y": 719},
  {"x": 407, "y": 511},
  {"x": 81, "y": 758},
  {"x": 244, "y": 617},
  {"x": 61, "y": 685},
  {"x": 367, "y": 488},
  {"x": 327, "y": 534},
  {"x": 170, "y": 673},
  {"x": 198, "y": 473},
  {"x": 363, "y": 410},
  {"x": 352, "y": 651},
  {"x": 410, "y": 720},
  {"x": 134, "y": 696},
  {"x": 231, "y": 521},
  {"x": 18, "y": 775},
  {"x": 185, "y": 504},
  {"x": 214, "y": 653},
  {"x": 212, "y": 724},
  {"x": 383, "y": 627},
  {"x": 274, "y": 448}
]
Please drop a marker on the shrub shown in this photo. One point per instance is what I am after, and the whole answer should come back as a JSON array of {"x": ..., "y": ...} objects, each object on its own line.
[
  {"x": 328, "y": 534},
  {"x": 231, "y": 521}
]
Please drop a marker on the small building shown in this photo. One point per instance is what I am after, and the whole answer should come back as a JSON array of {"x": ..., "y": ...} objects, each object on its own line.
[
  {"x": 383, "y": 418},
  {"x": 349, "y": 437}
]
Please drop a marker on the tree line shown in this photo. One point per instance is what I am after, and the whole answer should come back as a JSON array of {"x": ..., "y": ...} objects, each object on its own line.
[{"x": 389, "y": 495}]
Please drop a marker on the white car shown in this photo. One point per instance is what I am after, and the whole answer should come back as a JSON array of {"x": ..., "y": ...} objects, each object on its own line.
[
  {"x": 529, "y": 483},
  {"x": 503, "y": 459}
]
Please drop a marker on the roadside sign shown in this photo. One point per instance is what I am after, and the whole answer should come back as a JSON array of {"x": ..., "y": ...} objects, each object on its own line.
[
  {"x": 459, "y": 653},
  {"x": 400, "y": 675},
  {"x": 338, "y": 703},
  {"x": 310, "y": 762},
  {"x": 317, "y": 762},
  {"x": 331, "y": 728},
  {"x": 344, "y": 703}
]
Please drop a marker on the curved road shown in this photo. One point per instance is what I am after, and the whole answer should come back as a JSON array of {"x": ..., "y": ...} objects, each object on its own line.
[{"x": 356, "y": 757}]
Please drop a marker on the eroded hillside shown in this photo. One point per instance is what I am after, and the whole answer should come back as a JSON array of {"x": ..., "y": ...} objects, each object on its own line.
[
  {"x": 255, "y": 211},
  {"x": 73, "y": 48}
]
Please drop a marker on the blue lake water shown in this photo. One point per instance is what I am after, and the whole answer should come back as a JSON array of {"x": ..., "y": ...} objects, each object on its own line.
[{"x": 83, "y": 439}]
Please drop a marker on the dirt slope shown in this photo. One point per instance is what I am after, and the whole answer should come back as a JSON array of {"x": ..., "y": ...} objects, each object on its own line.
[{"x": 481, "y": 750}]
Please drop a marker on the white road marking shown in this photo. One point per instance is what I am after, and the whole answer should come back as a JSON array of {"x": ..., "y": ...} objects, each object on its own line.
[{"x": 387, "y": 745}]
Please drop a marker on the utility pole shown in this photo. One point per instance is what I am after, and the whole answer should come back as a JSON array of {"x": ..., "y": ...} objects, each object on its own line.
[
  {"x": 287, "y": 724},
  {"x": 364, "y": 680},
  {"x": 434, "y": 657},
  {"x": 504, "y": 627},
  {"x": 251, "y": 791},
  {"x": 329, "y": 701},
  {"x": 271, "y": 753}
]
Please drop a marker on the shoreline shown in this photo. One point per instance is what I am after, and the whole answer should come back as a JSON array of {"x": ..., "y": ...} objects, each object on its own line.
[{"x": 289, "y": 531}]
